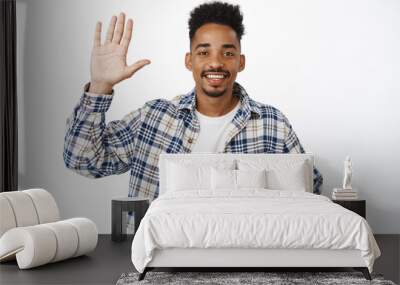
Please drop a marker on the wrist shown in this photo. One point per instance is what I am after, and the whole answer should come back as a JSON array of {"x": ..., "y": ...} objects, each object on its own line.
[{"x": 100, "y": 88}]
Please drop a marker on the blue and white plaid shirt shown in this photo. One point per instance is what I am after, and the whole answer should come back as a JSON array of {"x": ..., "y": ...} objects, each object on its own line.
[{"x": 94, "y": 149}]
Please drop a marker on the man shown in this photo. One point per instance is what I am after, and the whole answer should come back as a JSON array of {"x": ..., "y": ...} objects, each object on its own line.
[{"x": 216, "y": 116}]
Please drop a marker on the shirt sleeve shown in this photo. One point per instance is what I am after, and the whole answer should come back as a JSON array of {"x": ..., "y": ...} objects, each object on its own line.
[
  {"x": 293, "y": 145},
  {"x": 94, "y": 149}
]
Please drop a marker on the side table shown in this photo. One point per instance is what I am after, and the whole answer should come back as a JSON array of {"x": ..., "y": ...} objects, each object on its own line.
[
  {"x": 119, "y": 208},
  {"x": 357, "y": 206}
]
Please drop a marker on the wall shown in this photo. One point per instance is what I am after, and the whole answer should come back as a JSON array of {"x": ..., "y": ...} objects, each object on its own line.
[{"x": 332, "y": 67}]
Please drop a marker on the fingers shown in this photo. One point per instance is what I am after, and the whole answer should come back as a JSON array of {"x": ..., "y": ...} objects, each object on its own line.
[
  {"x": 127, "y": 34},
  {"x": 116, "y": 30},
  {"x": 97, "y": 35},
  {"x": 136, "y": 66},
  {"x": 120, "y": 29},
  {"x": 111, "y": 28}
]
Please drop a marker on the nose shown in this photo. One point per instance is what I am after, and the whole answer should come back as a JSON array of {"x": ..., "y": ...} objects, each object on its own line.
[{"x": 216, "y": 62}]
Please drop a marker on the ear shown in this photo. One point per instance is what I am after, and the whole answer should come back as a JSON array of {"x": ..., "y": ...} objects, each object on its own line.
[
  {"x": 188, "y": 61},
  {"x": 242, "y": 62}
]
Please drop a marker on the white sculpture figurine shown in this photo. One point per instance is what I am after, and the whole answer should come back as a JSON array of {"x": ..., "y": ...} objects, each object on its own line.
[{"x": 348, "y": 172}]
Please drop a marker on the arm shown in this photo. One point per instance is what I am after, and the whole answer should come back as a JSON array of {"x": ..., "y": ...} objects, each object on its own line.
[
  {"x": 94, "y": 149},
  {"x": 91, "y": 147},
  {"x": 292, "y": 145}
]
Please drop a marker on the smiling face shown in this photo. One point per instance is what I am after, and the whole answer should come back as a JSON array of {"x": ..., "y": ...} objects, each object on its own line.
[{"x": 215, "y": 59}]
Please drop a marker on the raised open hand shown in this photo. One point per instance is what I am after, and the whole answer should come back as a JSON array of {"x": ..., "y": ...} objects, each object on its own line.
[{"x": 108, "y": 60}]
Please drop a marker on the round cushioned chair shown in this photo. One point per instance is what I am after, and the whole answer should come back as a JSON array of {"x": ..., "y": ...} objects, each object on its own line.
[{"x": 32, "y": 233}]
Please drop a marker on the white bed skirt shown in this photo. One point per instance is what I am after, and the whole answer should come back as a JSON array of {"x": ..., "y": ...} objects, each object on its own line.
[{"x": 235, "y": 257}]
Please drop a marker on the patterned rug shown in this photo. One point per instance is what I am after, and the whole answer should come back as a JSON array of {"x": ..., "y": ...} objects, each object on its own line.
[{"x": 243, "y": 278}]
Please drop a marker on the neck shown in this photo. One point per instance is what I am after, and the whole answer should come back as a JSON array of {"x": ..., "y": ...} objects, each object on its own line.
[{"x": 215, "y": 106}]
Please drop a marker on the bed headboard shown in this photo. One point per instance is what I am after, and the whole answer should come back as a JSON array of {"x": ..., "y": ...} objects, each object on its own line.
[{"x": 197, "y": 159}]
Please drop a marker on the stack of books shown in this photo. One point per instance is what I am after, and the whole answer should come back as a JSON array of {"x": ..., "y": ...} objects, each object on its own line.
[{"x": 344, "y": 194}]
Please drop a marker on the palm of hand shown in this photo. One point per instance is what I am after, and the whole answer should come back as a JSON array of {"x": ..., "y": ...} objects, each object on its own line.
[
  {"x": 108, "y": 60},
  {"x": 109, "y": 63}
]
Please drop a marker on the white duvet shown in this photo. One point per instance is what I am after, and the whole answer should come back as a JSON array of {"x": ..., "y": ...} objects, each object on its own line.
[{"x": 251, "y": 218}]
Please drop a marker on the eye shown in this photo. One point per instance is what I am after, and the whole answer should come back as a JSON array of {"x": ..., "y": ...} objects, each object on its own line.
[
  {"x": 229, "y": 53},
  {"x": 202, "y": 52}
]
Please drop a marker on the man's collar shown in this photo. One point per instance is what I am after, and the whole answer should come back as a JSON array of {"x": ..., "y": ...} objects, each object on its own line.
[{"x": 188, "y": 101}]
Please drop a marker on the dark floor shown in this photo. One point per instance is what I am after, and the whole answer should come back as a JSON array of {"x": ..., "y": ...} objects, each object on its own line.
[{"x": 111, "y": 259}]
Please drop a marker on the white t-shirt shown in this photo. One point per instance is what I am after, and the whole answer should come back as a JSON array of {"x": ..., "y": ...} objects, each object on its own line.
[{"x": 213, "y": 131}]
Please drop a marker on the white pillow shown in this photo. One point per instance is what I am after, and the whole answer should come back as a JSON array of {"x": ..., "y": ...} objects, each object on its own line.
[
  {"x": 223, "y": 179},
  {"x": 187, "y": 173},
  {"x": 292, "y": 178},
  {"x": 227, "y": 179},
  {"x": 182, "y": 177},
  {"x": 282, "y": 174},
  {"x": 251, "y": 178}
]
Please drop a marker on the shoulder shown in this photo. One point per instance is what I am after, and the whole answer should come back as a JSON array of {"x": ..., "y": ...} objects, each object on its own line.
[
  {"x": 155, "y": 105},
  {"x": 268, "y": 112},
  {"x": 162, "y": 106},
  {"x": 156, "y": 109}
]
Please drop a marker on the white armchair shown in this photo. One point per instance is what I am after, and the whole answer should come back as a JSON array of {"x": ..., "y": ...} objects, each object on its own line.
[{"x": 32, "y": 233}]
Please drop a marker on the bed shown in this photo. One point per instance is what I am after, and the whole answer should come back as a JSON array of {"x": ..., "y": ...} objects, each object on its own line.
[{"x": 244, "y": 211}]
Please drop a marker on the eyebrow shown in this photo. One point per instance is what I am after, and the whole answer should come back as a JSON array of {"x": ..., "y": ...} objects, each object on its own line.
[
  {"x": 208, "y": 45},
  {"x": 229, "y": 46},
  {"x": 201, "y": 45}
]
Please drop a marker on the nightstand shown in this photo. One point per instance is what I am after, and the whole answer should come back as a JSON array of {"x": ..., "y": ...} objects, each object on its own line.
[
  {"x": 357, "y": 206},
  {"x": 120, "y": 206}
]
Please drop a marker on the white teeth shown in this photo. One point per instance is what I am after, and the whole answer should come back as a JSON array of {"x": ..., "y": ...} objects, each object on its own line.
[{"x": 215, "y": 76}]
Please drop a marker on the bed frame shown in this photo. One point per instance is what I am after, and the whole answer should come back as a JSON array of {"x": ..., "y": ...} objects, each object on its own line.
[
  {"x": 252, "y": 259},
  {"x": 249, "y": 259}
]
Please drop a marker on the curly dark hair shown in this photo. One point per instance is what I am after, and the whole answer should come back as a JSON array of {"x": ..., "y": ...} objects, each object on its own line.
[{"x": 218, "y": 13}]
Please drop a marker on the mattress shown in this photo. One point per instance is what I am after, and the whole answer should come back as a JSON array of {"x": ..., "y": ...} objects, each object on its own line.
[{"x": 250, "y": 219}]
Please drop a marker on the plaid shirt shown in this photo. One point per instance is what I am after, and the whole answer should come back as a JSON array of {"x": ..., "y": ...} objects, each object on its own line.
[{"x": 94, "y": 149}]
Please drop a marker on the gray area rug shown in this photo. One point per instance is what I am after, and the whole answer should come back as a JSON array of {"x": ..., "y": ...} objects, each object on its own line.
[{"x": 269, "y": 278}]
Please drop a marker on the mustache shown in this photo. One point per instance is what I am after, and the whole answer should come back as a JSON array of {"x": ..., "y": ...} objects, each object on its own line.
[{"x": 225, "y": 72}]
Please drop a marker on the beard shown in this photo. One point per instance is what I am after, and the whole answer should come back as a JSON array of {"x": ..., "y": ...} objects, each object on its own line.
[{"x": 214, "y": 94}]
